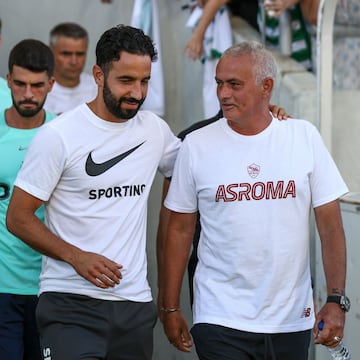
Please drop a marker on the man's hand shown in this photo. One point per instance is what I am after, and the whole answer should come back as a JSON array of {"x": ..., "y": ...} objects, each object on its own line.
[
  {"x": 275, "y": 8},
  {"x": 177, "y": 331},
  {"x": 99, "y": 270},
  {"x": 334, "y": 320},
  {"x": 279, "y": 112}
]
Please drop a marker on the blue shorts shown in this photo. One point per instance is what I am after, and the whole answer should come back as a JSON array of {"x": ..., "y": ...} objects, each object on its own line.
[
  {"x": 214, "y": 342},
  {"x": 75, "y": 327},
  {"x": 18, "y": 331}
]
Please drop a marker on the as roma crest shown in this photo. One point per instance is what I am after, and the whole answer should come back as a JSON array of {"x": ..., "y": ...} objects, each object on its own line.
[{"x": 253, "y": 170}]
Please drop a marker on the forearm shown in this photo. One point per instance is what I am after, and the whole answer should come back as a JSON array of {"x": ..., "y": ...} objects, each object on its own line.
[
  {"x": 333, "y": 246},
  {"x": 177, "y": 249},
  {"x": 161, "y": 233},
  {"x": 22, "y": 222},
  {"x": 334, "y": 261},
  {"x": 209, "y": 11}
]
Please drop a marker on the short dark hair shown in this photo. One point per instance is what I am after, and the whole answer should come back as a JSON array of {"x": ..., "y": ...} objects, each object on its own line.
[
  {"x": 122, "y": 38},
  {"x": 67, "y": 29},
  {"x": 32, "y": 55}
]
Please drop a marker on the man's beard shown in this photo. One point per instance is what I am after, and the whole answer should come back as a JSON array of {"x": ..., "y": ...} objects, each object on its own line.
[
  {"x": 26, "y": 112},
  {"x": 114, "y": 105}
]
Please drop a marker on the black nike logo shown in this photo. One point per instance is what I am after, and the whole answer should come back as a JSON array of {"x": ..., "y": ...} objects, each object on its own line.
[{"x": 94, "y": 169}]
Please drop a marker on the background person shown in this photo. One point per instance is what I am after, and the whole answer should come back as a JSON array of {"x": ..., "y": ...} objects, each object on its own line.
[
  {"x": 30, "y": 79},
  {"x": 69, "y": 43},
  {"x": 299, "y": 35}
]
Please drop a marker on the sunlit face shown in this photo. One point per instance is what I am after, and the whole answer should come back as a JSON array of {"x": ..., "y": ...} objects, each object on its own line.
[
  {"x": 237, "y": 90},
  {"x": 28, "y": 90},
  {"x": 70, "y": 58},
  {"x": 125, "y": 86}
]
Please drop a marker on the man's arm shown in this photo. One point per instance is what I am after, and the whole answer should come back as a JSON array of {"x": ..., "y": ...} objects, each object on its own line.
[
  {"x": 160, "y": 244},
  {"x": 333, "y": 246},
  {"x": 194, "y": 47},
  {"x": 23, "y": 223},
  {"x": 178, "y": 243}
]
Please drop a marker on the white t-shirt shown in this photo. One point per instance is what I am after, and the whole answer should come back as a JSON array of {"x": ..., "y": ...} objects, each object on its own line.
[
  {"x": 95, "y": 177},
  {"x": 254, "y": 195},
  {"x": 61, "y": 99}
]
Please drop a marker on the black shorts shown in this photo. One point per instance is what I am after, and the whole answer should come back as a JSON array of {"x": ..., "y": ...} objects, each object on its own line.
[
  {"x": 75, "y": 327},
  {"x": 18, "y": 331},
  {"x": 215, "y": 342}
]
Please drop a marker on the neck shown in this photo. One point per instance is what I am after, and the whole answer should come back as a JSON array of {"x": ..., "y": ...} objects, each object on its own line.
[
  {"x": 250, "y": 126},
  {"x": 69, "y": 83},
  {"x": 98, "y": 107},
  {"x": 15, "y": 120}
]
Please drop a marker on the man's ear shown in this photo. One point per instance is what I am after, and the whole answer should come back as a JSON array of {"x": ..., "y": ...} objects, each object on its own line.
[
  {"x": 8, "y": 79},
  {"x": 267, "y": 86},
  {"x": 51, "y": 82},
  {"x": 98, "y": 75}
]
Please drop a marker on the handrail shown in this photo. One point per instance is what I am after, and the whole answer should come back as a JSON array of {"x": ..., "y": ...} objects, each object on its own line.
[
  {"x": 346, "y": 31},
  {"x": 285, "y": 33},
  {"x": 324, "y": 72}
]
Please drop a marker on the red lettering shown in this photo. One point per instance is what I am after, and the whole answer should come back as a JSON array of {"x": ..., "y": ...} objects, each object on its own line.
[
  {"x": 231, "y": 192},
  {"x": 274, "y": 193},
  {"x": 255, "y": 187},
  {"x": 244, "y": 193},
  {"x": 290, "y": 189},
  {"x": 220, "y": 193},
  {"x": 256, "y": 191}
]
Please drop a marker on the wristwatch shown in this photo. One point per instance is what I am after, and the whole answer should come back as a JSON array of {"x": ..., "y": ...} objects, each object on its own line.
[{"x": 343, "y": 301}]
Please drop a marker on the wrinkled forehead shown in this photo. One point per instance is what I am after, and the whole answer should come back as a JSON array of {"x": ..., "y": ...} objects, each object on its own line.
[{"x": 234, "y": 66}]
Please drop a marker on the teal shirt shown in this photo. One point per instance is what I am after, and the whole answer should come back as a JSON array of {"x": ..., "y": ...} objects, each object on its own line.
[
  {"x": 19, "y": 264},
  {"x": 5, "y": 95}
]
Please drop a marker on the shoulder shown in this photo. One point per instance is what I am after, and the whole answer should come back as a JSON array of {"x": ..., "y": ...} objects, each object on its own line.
[
  {"x": 298, "y": 130},
  {"x": 3, "y": 83},
  {"x": 197, "y": 125},
  {"x": 86, "y": 78},
  {"x": 149, "y": 118},
  {"x": 71, "y": 118},
  {"x": 297, "y": 124},
  {"x": 5, "y": 94},
  {"x": 207, "y": 129},
  {"x": 49, "y": 115}
]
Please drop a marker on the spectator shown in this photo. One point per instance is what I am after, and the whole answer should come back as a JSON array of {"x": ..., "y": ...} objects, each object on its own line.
[
  {"x": 247, "y": 9},
  {"x": 300, "y": 46},
  {"x": 211, "y": 36}
]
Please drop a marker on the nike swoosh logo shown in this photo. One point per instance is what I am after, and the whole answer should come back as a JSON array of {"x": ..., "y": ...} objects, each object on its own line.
[
  {"x": 94, "y": 169},
  {"x": 22, "y": 148}
]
